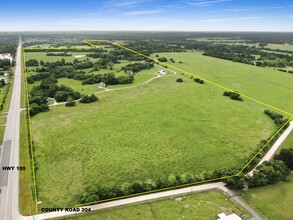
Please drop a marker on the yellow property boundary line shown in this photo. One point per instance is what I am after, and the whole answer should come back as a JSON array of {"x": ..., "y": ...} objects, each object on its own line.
[{"x": 89, "y": 42}]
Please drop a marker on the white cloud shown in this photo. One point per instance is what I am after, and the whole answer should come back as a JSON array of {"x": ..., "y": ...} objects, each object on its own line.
[
  {"x": 144, "y": 12},
  {"x": 213, "y": 20},
  {"x": 123, "y": 3},
  {"x": 249, "y": 18},
  {"x": 206, "y": 3}
]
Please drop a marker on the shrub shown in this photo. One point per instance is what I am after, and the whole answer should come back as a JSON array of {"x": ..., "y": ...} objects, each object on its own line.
[
  {"x": 88, "y": 99},
  {"x": 233, "y": 95},
  {"x": 70, "y": 102},
  {"x": 179, "y": 80},
  {"x": 200, "y": 81}
]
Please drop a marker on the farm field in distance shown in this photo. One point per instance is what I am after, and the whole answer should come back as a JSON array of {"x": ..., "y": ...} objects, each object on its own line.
[
  {"x": 269, "y": 86},
  {"x": 204, "y": 205},
  {"x": 123, "y": 136}
]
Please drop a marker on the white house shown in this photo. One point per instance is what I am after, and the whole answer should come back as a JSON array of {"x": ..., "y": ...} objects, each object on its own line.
[
  {"x": 6, "y": 56},
  {"x": 162, "y": 72},
  {"x": 223, "y": 216},
  {"x": 101, "y": 85}
]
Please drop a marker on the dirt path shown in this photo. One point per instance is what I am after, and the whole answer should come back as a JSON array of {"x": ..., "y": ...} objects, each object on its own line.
[{"x": 121, "y": 88}]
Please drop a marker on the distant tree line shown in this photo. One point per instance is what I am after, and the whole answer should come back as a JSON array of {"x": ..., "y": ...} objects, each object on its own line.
[
  {"x": 136, "y": 67},
  {"x": 63, "y": 54},
  {"x": 101, "y": 192}
]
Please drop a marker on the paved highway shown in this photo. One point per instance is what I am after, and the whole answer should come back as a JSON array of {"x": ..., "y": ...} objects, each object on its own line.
[{"x": 9, "y": 180}]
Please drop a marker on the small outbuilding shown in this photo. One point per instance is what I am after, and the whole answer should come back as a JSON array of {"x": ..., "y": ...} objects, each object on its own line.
[
  {"x": 223, "y": 216},
  {"x": 162, "y": 72},
  {"x": 101, "y": 85}
]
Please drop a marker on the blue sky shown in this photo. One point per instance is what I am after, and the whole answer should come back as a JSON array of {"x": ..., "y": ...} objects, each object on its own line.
[{"x": 157, "y": 15}]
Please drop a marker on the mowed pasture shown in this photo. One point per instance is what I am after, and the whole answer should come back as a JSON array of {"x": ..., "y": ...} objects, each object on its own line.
[
  {"x": 273, "y": 201},
  {"x": 204, "y": 205},
  {"x": 266, "y": 85},
  {"x": 149, "y": 131},
  {"x": 281, "y": 46}
]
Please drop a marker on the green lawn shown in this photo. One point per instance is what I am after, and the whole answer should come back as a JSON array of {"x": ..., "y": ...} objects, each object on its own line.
[
  {"x": 160, "y": 128},
  {"x": 201, "y": 206},
  {"x": 273, "y": 201},
  {"x": 270, "y": 86}
]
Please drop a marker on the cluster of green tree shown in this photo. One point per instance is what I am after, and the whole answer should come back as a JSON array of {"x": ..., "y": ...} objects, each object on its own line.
[
  {"x": 162, "y": 59},
  {"x": 108, "y": 79},
  {"x": 100, "y": 192},
  {"x": 2, "y": 83},
  {"x": 5, "y": 64},
  {"x": 148, "y": 47},
  {"x": 70, "y": 102},
  {"x": 85, "y": 64},
  {"x": 60, "y": 69},
  {"x": 88, "y": 99},
  {"x": 136, "y": 67},
  {"x": 62, "y": 54},
  {"x": 233, "y": 95},
  {"x": 278, "y": 118},
  {"x": 200, "y": 81},
  {"x": 8, "y": 48},
  {"x": 279, "y": 50},
  {"x": 39, "y": 95},
  {"x": 32, "y": 62},
  {"x": 236, "y": 53},
  {"x": 179, "y": 80},
  {"x": 269, "y": 172},
  {"x": 61, "y": 49},
  {"x": 4, "y": 97},
  {"x": 286, "y": 155}
]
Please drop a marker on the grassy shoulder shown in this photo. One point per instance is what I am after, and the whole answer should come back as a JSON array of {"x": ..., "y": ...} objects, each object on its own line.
[
  {"x": 3, "y": 113},
  {"x": 267, "y": 85},
  {"x": 273, "y": 201},
  {"x": 26, "y": 206},
  {"x": 126, "y": 133},
  {"x": 288, "y": 143},
  {"x": 205, "y": 205}
]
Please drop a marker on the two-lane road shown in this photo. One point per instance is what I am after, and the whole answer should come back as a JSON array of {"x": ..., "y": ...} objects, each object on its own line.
[{"x": 9, "y": 180}]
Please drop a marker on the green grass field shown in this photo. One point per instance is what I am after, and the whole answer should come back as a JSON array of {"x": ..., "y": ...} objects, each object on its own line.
[
  {"x": 205, "y": 205},
  {"x": 160, "y": 128},
  {"x": 281, "y": 46},
  {"x": 273, "y": 201},
  {"x": 269, "y": 86},
  {"x": 42, "y": 56},
  {"x": 288, "y": 143}
]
